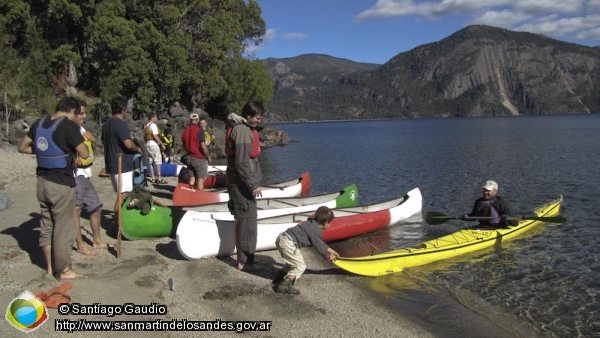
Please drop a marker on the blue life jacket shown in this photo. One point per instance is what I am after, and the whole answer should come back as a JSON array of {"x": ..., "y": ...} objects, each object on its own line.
[{"x": 49, "y": 155}]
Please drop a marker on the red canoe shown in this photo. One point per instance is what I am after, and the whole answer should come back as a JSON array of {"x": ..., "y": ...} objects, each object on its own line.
[{"x": 184, "y": 196}]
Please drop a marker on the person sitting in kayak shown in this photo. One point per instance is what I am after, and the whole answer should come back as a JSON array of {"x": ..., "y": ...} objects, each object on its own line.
[
  {"x": 495, "y": 209},
  {"x": 302, "y": 235}
]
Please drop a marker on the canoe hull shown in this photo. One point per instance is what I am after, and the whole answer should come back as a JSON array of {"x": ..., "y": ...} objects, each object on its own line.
[
  {"x": 214, "y": 180},
  {"x": 347, "y": 197},
  {"x": 168, "y": 169},
  {"x": 458, "y": 243},
  {"x": 157, "y": 223},
  {"x": 184, "y": 196},
  {"x": 199, "y": 236}
]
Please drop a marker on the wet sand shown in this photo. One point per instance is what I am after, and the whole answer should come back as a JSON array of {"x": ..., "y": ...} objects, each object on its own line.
[{"x": 332, "y": 303}]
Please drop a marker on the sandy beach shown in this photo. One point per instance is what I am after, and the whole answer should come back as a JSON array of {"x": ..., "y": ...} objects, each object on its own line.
[{"x": 332, "y": 303}]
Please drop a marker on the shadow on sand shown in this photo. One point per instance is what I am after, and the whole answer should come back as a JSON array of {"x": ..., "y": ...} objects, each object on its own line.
[{"x": 27, "y": 237}]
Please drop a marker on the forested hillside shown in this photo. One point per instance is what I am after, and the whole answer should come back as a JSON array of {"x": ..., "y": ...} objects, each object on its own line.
[{"x": 156, "y": 52}]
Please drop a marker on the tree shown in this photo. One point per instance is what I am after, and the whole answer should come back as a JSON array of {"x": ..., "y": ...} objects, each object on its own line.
[{"x": 155, "y": 51}]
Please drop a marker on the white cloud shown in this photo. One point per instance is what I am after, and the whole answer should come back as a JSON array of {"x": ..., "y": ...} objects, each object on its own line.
[
  {"x": 503, "y": 18},
  {"x": 561, "y": 26},
  {"x": 390, "y": 8},
  {"x": 537, "y": 7},
  {"x": 550, "y": 17},
  {"x": 294, "y": 36},
  {"x": 590, "y": 34},
  {"x": 270, "y": 34},
  {"x": 252, "y": 48}
]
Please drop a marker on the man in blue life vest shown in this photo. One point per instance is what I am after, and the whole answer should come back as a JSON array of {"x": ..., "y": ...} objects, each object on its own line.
[
  {"x": 55, "y": 140},
  {"x": 491, "y": 206}
]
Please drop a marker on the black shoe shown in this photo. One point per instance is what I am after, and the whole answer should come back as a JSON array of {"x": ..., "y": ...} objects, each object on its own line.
[
  {"x": 250, "y": 259},
  {"x": 279, "y": 277},
  {"x": 286, "y": 287}
]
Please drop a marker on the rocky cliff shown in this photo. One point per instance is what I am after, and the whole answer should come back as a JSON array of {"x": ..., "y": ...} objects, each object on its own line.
[{"x": 479, "y": 70}]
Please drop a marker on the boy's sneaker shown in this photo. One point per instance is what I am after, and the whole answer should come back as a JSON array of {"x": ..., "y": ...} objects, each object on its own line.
[
  {"x": 279, "y": 277},
  {"x": 286, "y": 287}
]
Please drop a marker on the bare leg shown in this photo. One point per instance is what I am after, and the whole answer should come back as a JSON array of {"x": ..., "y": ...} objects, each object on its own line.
[
  {"x": 200, "y": 184},
  {"x": 158, "y": 172},
  {"x": 192, "y": 181},
  {"x": 47, "y": 250},
  {"x": 95, "y": 225},
  {"x": 124, "y": 196},
  {"x": 151, "y": 170},
  {"x": 81, "y": 247}
]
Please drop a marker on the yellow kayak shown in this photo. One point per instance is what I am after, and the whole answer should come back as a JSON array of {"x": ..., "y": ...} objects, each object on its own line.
[{"x": 454, "y": 244}]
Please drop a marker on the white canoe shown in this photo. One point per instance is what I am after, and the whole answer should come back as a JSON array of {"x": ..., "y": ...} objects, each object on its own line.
[
  {"x": 199, "y": 237},
  {"x": 271, "y": 207}
]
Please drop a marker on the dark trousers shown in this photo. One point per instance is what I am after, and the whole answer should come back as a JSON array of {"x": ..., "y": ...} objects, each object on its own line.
[{"x": 243, "y": 207}]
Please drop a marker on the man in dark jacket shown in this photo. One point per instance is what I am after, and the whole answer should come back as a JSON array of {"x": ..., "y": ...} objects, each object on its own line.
[
  {"x": 491, "y": 210},
  {"x": 242, "y": 146}
]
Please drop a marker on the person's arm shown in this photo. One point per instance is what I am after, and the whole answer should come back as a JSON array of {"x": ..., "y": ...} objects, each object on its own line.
[
  {"x": 204, "y": 149},
  {"x": 82, "y": 151},
  {"x": 129, "y": 144},
  {"x": 90, "y": 137},
  {"x": 473, "y": 212},
  {"x": 155, "y": 134},
  {"x": 506, "y": 211},
  {"x": 25, "y": 145},
  {"x": 315, "y": 237},
  {"x": 242, "y": 139},
  {"x": 332, "y": 254}
]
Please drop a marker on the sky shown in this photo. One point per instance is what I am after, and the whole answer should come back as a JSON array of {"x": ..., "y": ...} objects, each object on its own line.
[{"x": 374, "y": 31}]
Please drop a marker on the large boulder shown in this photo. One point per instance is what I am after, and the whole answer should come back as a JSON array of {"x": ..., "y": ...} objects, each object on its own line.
[{"x": 176, "y": 110}]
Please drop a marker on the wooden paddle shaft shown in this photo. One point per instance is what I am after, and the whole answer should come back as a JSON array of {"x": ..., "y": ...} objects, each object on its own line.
[{"x": 119, "y": 202}]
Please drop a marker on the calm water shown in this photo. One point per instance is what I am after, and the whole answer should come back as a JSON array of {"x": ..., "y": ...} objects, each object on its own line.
[{"x": 545, "y": 284}]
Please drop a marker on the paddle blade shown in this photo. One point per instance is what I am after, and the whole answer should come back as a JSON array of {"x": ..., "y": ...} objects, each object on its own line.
[
  {"x": 436, "y": 217},
  {"x": 549, "y": 219}
]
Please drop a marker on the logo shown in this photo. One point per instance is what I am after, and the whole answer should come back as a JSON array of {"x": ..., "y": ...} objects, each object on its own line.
[
  {"x": 42, "y": 144},
  {"x": 26, "y": 312}
]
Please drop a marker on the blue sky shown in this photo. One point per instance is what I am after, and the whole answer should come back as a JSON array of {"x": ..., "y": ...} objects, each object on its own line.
[{"x": 377, "y": 30}]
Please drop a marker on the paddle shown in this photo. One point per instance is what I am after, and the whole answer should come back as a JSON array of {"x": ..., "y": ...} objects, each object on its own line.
[
  {"x": 119, "y": 202},
  {"x": 436, "y": 217}
]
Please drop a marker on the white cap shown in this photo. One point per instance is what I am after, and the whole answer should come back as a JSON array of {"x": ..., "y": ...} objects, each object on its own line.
[
  {"x": 490, "y": 185},
  {"x": 194, "y": 116}
]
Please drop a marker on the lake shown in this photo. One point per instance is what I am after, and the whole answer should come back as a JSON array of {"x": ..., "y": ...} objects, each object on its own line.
[{"x": 543, "y": 284}]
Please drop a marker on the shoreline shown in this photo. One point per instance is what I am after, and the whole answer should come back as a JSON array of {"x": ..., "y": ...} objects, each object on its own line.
[{"x": 332, "y": 302}]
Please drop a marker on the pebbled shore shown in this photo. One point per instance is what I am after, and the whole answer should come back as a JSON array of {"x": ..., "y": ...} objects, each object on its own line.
[{"x": 331, "y": 304}]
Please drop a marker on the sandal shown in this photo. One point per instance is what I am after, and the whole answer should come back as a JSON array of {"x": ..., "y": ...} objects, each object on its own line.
[{"x": 161, "y": 181}]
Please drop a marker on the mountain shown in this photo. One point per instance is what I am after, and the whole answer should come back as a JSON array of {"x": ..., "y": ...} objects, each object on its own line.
[{"x": 477, "y": 71}]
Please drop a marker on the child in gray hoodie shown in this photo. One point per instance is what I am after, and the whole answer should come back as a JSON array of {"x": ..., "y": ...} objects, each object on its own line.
[{"x": 302, "y": 235}]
